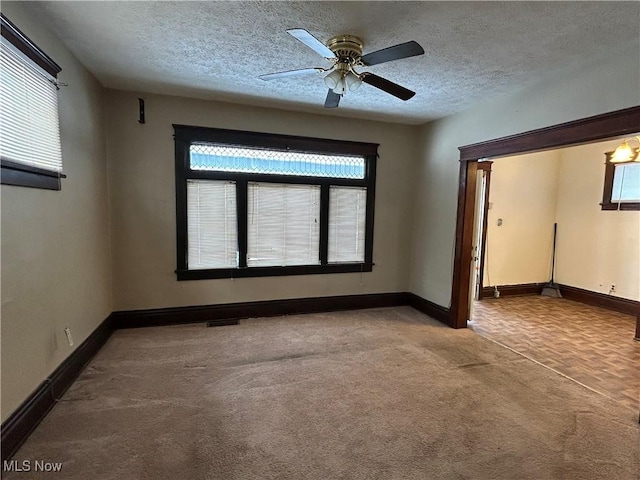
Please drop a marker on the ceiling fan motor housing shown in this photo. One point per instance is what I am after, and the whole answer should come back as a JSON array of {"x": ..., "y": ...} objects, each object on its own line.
[{"x": 348, "y": 48}]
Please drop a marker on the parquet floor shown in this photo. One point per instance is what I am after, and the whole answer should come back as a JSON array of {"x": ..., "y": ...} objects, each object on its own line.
[{"x": 591, "y": 345}]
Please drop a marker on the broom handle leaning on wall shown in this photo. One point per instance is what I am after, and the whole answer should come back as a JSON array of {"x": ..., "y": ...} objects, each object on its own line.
[{"x": 553, "y": 255}]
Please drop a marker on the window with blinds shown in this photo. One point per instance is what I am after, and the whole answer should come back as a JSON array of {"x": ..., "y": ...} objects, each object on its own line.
[
  {"x": 283, "y": 224},
  {"x": 29, "y": 125},
  {"x": 255, "y": 204},
  {"x": 347, "y": 218},
  {"x": 212, "y": 224}
]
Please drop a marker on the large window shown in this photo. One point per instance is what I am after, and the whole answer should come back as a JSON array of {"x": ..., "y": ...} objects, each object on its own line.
[
  {"x": 29, "y": 128},
  {"x": 255, "y": 204},
  {"x": 621, "y": 186}
]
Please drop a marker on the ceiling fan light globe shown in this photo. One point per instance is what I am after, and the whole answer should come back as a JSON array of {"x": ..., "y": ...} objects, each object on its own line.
[
  {"x": 333, "y": 79},
  {"x": 340, "y": 88},
  {"x": 353, "y": 82}
]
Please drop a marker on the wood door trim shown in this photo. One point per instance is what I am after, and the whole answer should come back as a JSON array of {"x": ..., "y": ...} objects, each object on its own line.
[{"x": 584, "y": 130}]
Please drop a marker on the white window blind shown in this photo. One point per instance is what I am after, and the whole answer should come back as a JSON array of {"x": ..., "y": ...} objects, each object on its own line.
[
  {"x": 29, "y": 124},
  {"x": 347, "y": 218},
  {"x": 211, "y": 224},
  {"x": 626, "y": 183},
  {"x": 283, "y": 224}
]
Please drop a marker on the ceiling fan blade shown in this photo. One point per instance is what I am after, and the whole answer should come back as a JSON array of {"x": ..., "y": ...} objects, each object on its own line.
[
  {"x": 397, "y": 52},
  {"x": 387, "y": 86},
  {"x": 332, "y": 100},
  {"x": 289, "y": 73},
  {"x": 312, "y": 42}
]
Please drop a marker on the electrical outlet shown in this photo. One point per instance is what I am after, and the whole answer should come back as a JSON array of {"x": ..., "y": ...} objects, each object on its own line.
[{"x": 67, "y": 332}]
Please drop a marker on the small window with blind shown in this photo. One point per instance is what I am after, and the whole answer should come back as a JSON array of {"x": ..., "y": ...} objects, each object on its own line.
[
  {"x": 29, "y": 127},
  {"x": 254, "y": 204},
  {"x": 621, "y": 185}
]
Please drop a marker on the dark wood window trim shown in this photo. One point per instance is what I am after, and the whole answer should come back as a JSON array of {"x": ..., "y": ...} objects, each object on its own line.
[
  {"x": 18, "y": 174},
  {"x": 28, "y": 47},
  {"x": 21, "y": 175},
  {"x": 607, "y": 204},
  {"x": 185, "y": 135}
]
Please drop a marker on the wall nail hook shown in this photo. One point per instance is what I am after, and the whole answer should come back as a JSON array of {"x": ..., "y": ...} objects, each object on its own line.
[{"x": 141, "y": 104}]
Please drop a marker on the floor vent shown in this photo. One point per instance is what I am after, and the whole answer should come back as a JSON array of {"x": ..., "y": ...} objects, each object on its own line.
[{"x": 222, "y": 323}]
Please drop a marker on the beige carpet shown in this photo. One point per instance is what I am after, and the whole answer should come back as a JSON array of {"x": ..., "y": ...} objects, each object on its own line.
[{"x": 373, "y": 394}]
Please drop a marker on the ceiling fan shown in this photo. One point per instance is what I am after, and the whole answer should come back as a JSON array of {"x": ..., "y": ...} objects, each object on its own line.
[{"x": 345, "y": 54}]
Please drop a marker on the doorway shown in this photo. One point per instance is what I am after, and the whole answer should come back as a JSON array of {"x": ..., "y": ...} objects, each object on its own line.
[{"x": 588, "y": 130}]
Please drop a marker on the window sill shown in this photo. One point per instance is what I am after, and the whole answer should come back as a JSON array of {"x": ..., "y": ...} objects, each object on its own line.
[
  {"x": 621, "y": 206},
  {"x": 27, "y": 176},
  {"x": 273, "y": 271}
]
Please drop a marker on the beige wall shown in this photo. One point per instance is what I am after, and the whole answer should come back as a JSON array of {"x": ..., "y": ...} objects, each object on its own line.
[
  {"x": 142, "y": 196},
  {"x": 55, "y": 245},
  {"x": 575, "y": 93},
  {"x": 596, "y": 248},
  {"x": 523, "y": 194}
]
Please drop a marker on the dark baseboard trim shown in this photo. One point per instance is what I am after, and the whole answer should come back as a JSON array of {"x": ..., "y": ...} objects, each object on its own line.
[
  {"x": 269, "y": 308},
  {"x": 617, "y": 304},
  {"x": 17, "y": 428},
  {"x": 510, "y": 290},
  {"x": 429, "y": 308}
]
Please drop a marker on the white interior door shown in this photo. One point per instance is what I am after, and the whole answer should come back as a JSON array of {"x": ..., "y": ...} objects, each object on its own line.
[{"x": 478, "y": 221}]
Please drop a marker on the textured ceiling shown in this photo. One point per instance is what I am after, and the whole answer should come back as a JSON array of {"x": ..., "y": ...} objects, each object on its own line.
[{"x": 474, "y": 50}]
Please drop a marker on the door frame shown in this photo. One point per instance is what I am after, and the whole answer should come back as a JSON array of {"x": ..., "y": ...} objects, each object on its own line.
[
  {"x": 577, "y": 132},
  {"x": 486, "y": 167}
]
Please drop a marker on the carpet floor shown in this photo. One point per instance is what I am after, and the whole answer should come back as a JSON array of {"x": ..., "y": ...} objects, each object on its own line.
[{"x": 370, "y": 394}]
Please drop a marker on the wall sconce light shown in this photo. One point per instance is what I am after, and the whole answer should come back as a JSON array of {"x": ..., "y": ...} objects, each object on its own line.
[{"x": 625, "y": 153}]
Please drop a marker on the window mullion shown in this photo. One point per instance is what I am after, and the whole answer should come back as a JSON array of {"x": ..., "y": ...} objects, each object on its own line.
[
  {"x": 371, "y": 195},
  {"x": 241, "y": 202},
  {"x": 182, "y": 154},
  {"x": 324, "y": 224}
]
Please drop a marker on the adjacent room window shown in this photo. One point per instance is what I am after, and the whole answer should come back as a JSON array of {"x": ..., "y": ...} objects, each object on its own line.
[
  {"x": 29, "y": 127},
  {"x": 255, "y": 204},
  {"x": 621, "y": 186}
]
